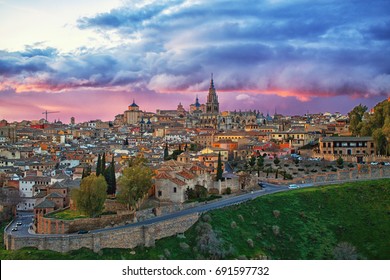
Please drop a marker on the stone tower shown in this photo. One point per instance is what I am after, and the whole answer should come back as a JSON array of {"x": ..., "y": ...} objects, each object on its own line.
[{"x": 212, "y": 105}]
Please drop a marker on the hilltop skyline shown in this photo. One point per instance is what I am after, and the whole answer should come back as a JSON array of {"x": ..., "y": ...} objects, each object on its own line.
[{"x": 90, "y": 59}]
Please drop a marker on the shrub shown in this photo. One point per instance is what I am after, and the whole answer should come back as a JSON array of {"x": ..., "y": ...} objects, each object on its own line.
[
  {"x": 275, "y": 230},
  {"x": 233, "y": 224},
  {"x": 250, "y": 243},
  {"x": 276, "y": 213},
  {"x": 206, "y": 218},
  {"x": 184, "y": 246},
  {"x": 228, "y": 190},
  {"x": 345, "y": 251},
  {"x": 167, "y": 253}
]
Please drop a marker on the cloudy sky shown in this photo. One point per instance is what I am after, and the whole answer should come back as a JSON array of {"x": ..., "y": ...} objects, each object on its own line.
[{"x": 90, "y": 59}]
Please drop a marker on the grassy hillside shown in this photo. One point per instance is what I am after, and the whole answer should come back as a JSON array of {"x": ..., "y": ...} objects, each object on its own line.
[{"x": 351, "y": 220}]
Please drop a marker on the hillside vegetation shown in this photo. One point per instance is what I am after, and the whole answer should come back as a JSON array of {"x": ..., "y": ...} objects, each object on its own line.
[{"x": 346, "y": 221}]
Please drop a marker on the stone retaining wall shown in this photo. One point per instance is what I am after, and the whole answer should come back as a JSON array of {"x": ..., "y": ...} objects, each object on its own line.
[
  {"x": 47, "y": 225},
  {"x": 125, "y": 237}
]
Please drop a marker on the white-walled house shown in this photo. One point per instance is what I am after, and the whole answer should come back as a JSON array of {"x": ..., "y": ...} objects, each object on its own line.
[{"x": 28, "y": 188}]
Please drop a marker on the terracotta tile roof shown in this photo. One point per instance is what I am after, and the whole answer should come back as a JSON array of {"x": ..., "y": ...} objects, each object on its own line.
[
  {"x": 186, "y": 174},
  {"x": 178, "y": 182},
  {"x": 163, "y": 175}
]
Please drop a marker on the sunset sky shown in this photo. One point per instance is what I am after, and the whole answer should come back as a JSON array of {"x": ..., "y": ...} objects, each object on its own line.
[{"x": 90, "y": 59}]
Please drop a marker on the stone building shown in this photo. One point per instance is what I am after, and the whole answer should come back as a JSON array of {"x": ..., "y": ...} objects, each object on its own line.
[
  {"x": 353, "y": 146},
  {"x": 133, "y": 114},
  {"x": 210, "y": 118}
]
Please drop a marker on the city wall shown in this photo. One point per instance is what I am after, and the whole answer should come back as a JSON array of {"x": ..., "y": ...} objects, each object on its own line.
[
  {"x": 46, "y": 225},
  {"x": 127, "y": 237},
  {"x": 360, "y": 172}
]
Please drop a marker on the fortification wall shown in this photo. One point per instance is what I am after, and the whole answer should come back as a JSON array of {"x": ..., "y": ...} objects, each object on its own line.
[{"x": 123, "y": 237}]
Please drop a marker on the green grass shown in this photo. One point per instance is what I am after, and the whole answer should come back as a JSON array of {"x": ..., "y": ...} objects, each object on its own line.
[
  {"x": 308, "y": 224},
  {"x": 67, "y": 215}
]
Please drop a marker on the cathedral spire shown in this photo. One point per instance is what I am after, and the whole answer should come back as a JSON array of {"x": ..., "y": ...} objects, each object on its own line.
[
  {"x": 212, "y": 82},
  {"x": 212, "y": 105}
]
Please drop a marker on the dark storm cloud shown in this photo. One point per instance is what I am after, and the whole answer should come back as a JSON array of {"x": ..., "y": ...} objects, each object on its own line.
[
  {"x": 130, "y": 16},
  {"x": 306, "y": 48},
  {"x": 380, "y": 31},
  {"x": 16, "y": 63}
]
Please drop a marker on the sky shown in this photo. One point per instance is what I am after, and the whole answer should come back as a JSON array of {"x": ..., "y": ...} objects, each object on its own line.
[{"x": 89, "y": 59}]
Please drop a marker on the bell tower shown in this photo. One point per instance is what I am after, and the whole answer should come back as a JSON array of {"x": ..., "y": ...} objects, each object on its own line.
[{"x": 212, "y": 105}]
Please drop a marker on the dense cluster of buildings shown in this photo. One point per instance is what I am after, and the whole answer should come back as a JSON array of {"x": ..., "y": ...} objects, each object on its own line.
[{"x": 44, "y": 161}]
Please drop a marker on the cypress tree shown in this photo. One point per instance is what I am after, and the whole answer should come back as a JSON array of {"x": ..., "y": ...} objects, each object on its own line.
[
  {"x": 103, "y": 168},
  {"x": 99, "y": 166},
  {"x": 219, "y": 168},
  {"x": 166, "y": 153},
  {"x": 112, "y": 177}
]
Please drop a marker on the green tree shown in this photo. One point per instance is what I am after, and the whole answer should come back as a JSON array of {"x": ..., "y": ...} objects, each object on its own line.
[
  {"x": 86, "y": 171},
  {"x": 380, "y": 141},
  {"x": 355, "y": 119},
  {"x": 109, "y": 174},
  {"x": 166, "y": 152},
  {"x": 219, "y": 168},
  {"x": 252, "y": 161},
  {"x": 134, "y": 184},
  {"x": 259, "y": 164},
  {"x": 340, "y": 161},
  {"x": 91, "y": 195},
  {"x": 190, "y": 193},
  {"x": 103, "y": 163},
  {"x": 99, "y": 166},
  {"x": 276, "y": 161}
]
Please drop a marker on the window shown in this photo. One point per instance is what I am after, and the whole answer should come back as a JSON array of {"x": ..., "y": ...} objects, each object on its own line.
[
  {"x": 328, "y": 145},
  {"x": 159, "y": 193},
  {"x": 175, "y": 190}
]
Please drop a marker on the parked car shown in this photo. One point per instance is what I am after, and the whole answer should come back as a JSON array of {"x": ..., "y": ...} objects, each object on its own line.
[
  {"x": 15, "y": 229},
  {"x": 293, "y": 186},
  {"x": 83, "y": 231},
  {"x": 387, "y": 163},
  {"x": 18, "y": 223},
  {"x": 374, "y": 163}
]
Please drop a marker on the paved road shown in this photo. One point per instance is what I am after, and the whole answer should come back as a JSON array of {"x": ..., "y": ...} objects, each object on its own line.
[
  {"x": 267, "y": 189},
  {"x": 22, "y": 230}
]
